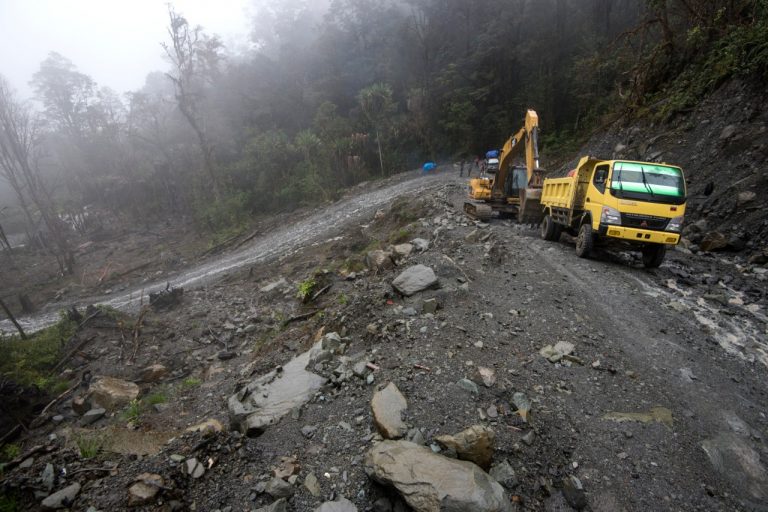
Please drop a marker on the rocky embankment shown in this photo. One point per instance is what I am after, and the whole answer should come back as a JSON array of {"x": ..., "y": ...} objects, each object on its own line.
[{"x": 419, "y": 361}]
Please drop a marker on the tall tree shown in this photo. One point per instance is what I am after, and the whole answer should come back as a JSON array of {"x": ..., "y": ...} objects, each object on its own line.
[
  {"x": 195, "y": 58},
  {"x": 378, "y": 106}
]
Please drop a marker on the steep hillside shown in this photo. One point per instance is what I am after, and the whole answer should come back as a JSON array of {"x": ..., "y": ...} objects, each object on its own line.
[{"x": 722, "y": 145}]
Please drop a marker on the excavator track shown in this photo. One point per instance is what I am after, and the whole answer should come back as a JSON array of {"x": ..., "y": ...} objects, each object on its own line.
[{"x": 478, "y": 211}]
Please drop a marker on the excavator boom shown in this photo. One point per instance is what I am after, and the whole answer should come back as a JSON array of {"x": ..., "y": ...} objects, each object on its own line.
[{"x": 496, "y": 193}]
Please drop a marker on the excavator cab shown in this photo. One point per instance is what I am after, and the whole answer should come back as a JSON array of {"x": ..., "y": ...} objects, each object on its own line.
[{"x": 517, "y": 180}]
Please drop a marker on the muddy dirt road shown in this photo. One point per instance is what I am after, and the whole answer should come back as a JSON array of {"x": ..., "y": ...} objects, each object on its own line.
[
  {"x": 657, "y": 400},
  {"x": 280, "y": 243}
]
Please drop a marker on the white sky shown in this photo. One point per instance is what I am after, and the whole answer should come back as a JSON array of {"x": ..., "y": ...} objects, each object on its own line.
[{"x": 116, "y": 42}]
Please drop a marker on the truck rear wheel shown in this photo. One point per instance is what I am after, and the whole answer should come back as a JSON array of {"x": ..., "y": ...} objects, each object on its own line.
[
  {"x": 548, "y": 228},
  {"x": 585, "y": 241},
  {"x": 653, "y": 255}
]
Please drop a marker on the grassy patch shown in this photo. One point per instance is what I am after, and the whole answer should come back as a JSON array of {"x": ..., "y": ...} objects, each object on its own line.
[
  {"x": 400, "y": 236},
  {"x": 190, "y": 383},
  {"x": 132, "y": 413},
  {"x": 306, "y": 288},
  {"x": 89, "y": 445},
  {"x": 9, "y": 452},
  {"x": 342, "y": 298},
  {"x": 158, "y": 397},
  {"x": 29, "y": 362}
]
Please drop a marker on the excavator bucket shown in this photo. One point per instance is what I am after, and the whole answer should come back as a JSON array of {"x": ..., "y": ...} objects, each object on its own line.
[{"x": 530, "y": 206}]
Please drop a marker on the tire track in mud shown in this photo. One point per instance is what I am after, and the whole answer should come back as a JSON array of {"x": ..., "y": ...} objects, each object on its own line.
[{"x": 279, "y": 243}]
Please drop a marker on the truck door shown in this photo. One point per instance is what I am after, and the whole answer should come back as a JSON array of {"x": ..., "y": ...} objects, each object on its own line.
[{"x": 596, "y": 193}]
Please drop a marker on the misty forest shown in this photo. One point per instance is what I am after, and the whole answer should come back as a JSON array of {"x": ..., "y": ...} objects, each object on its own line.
[
  {"x": 305, "y": 272},
  {"x": 354, "y": 90}
]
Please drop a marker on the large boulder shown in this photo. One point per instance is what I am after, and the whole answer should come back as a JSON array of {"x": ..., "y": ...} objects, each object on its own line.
[
  {"x": 415, "y": 279},
  {"x": 387, "y": 406},
  {"x": 474, "y": 444},
  {"x": 63, "y": 498},
  {"x": 111, "y": 393},
  {"x": 264, "y": 401},
  {"x": 429, "y": 482}
]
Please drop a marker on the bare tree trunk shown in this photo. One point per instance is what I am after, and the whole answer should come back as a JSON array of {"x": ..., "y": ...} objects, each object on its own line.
[
  {"x": 13, "y": 320},
  {"x": 381, "y": 157}
]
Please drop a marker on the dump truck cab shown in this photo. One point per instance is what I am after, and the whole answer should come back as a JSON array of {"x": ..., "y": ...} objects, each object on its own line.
[{"x": 637, "y": 203}]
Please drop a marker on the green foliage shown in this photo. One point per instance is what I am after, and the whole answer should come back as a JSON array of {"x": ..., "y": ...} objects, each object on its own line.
[
  {"x": 190, "y": 383},
  {"x": 89, "y": 444},
  {"x": 342, "y": 298},
  {"x": 132, "y": 413},
  {"x": 29, "y": 362},
  {"x": 306, "y": 288},
  {"x": 8, "y": 502},
  {"x": 158, "y": 397},
  {"x": 9, "y": 452},
  {"x": 226, "y": 217},
  {"x": 400, "y": 235}
]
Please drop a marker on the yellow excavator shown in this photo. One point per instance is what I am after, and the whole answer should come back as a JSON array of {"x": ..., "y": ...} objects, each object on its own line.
[{"x": 508, "y": 189}]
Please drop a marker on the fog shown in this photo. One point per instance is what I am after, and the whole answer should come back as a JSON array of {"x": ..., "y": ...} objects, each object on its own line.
[{"x": 117, "y": 42}]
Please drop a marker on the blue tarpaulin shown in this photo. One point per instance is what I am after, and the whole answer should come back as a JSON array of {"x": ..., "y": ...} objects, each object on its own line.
[
  {"x": 494, "y": 153},
  {"x": 429, "y": 166}
]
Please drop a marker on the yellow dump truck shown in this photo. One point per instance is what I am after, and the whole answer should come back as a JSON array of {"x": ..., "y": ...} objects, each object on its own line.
[{"x": 617, "y": 201}]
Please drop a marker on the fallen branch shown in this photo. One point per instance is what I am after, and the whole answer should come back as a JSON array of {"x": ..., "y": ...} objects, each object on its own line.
[
  {"x": 422, "y": 367},
  {"x": 24, "y": 456},
  {"x": 303, "y": 316},
  {"x": 458, "y": 267},
  {"x": 372, "y": 366},
  {"x": 320, "y": 292}
]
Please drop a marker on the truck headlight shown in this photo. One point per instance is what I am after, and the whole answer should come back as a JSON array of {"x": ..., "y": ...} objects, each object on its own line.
[
  {"x": 610, "y": 216},
  {"x": 676, "y": 224}
]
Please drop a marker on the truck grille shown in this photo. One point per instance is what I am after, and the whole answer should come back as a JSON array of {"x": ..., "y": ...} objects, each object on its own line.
[{"x": 635, "y": 220}]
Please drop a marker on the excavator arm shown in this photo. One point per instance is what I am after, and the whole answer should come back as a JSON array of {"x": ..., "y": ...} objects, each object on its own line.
[{"x": 529, "y": 136}]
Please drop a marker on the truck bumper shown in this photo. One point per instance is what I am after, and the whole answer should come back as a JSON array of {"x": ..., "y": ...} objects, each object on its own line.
[{"x": 640, "y": 235}]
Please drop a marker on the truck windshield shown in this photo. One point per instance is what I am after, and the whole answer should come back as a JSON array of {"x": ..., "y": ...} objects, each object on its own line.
[{"x": 648, "y": 182}]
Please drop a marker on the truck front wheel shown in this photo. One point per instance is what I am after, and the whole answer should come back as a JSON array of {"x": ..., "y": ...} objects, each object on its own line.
[
  {"x": 653, "y": 255},
  {"x": 585, "y": 241}
]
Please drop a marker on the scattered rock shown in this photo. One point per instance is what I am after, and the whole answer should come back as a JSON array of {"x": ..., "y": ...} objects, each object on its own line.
[
  {"x": 194, "y": 468},
  {"x": 713, "y": 241},
  {"x": 429, "y": 306},
  {"x": 111, "y": 393},
  {"x": 387, "y": 406},
  {"x": 415, "y": 279},
  {"x": 746, "y": 197},
  {"x": 342, "y": 505},
  {"x": 92, "y": 416},
  {"x": 288, "y": 467},
  {"x": 379, "y": 260},
  {"x": 523, "y": 405},
  {"x": 278, "y": 506},
  {"x": 505, "y": 475},
  {"x": 280, "y": 283},
  {"x": 145, "y": 489},
  {"x": 153, "y": 373},
  {"x": 48, "y": 477},
  {"x": 279, "y": 488},
  {"x": 468, "y": 385},
  {"x": 487, "y": 375},
  {"x": 573, "y": 492},
  {"x": 474, "y": 444},
  {"x": 209, "y": 426},
  {"x": 420, "y": 244},
  {"x": 657, "y": 414},
  {"x": 403, "y": 250},
  {"x": 63, "y": 498},
  {"x": 80, "y": 405},
  {"x": 555, "y": 353},
  {"x": 728, "y": 132},
  {"x": 313, "y": 485},
  {"x": 429, "y": 482},
  {"x": 529, "y": 437}
]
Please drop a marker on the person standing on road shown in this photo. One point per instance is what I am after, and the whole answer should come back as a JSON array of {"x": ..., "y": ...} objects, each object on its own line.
[{"x": 461, "y": 169}]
